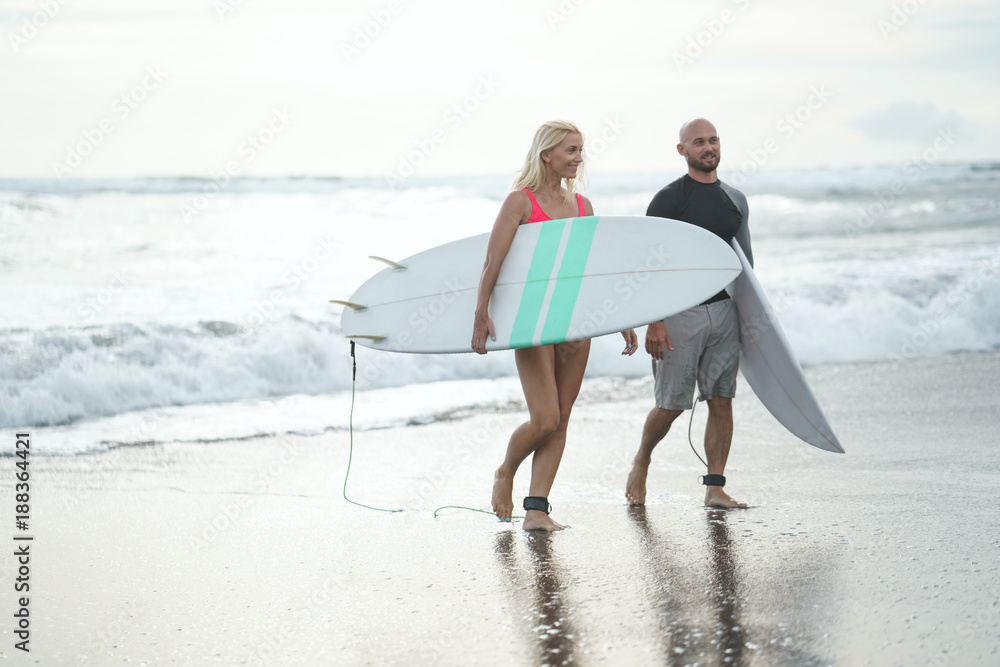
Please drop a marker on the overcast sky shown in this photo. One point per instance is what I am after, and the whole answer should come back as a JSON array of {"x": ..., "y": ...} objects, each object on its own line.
[{"x": 284, "y": 87}]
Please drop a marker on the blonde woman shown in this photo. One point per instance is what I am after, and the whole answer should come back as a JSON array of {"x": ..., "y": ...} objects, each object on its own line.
[{"x": 550, "y": 375}]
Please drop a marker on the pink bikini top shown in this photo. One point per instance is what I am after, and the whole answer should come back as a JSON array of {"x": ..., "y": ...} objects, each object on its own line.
[{"x": 538, "y": 215}]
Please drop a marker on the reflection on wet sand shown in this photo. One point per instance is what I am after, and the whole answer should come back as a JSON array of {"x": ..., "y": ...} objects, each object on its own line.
[
  {"x": 702, "y": 611},
  {"x": 732, "y": 638},
  {"x": 683, "y": 639},
  {"x": 545, "y": 617}
]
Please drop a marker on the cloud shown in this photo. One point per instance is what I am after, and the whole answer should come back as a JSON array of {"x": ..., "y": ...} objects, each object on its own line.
[{"x": 905, "y": 122}]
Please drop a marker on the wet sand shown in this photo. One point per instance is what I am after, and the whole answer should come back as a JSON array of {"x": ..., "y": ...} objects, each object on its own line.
[{"x": 246, "y": 553}]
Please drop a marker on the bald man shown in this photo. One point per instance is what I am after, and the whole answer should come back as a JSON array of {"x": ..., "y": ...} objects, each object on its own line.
[{"x": 700, "y": 346}]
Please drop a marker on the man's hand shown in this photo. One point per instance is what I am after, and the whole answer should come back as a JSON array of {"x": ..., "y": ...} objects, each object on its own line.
[{"x": 658, "y": 340}]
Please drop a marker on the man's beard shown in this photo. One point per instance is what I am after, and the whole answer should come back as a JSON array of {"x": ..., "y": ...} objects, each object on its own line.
[{"x": 698, "y": 164}]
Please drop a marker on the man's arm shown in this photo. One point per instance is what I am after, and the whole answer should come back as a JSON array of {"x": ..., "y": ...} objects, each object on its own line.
[
  {"x": 743, "y": 233},
  {"x": 743, "y": 238}
]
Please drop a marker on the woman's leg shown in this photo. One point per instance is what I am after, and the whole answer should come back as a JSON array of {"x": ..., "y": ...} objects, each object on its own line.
[
  {"x": 536, "y": 369},
  {"x": 570, "y": 362},
  {"x": 551, "y": 377}
]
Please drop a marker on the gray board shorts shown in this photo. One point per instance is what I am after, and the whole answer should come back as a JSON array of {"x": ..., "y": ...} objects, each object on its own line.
[{"x": 706, "y": 342}]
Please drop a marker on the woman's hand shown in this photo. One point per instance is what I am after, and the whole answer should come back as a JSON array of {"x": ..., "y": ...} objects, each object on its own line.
[
  {"x": 631, "y": 342},
  {"x": 482, "y": 328}
]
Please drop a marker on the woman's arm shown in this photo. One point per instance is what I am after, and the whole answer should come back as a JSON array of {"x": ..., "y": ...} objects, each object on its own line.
[{"x": 515, "y": 210}]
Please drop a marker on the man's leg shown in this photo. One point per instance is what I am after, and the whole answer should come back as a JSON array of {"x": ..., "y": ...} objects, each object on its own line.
[
  {"x": 657, "y": 425},
  {"x": 718, "y": 439},
  {"x": 674, "y": 380}
]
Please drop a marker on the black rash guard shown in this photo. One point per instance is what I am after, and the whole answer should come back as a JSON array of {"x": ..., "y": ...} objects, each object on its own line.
[{"x": 717, "y": 207}]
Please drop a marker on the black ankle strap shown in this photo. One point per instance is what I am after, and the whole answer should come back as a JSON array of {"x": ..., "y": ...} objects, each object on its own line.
[
  {"x": 713, "y": 480},
  {"x": 537, "y": 503}
]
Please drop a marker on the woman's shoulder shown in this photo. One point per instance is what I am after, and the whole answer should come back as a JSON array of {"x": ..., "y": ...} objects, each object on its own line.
[{"x": 518, "y": 201}]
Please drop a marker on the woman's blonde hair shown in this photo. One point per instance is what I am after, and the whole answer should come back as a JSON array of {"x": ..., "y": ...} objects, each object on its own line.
[{"x": 547, "y": 138}]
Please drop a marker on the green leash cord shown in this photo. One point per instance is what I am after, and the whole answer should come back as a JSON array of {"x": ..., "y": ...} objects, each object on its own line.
[
  {"x": 350, "y": 455},
  {"x": 459, "y": 507}
]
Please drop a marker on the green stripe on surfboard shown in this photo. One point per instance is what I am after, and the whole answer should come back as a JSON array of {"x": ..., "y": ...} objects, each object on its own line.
[
  {"x": 581, "y": 237},
  {"x": 567, "y": 289},
  {"x": 539, "y": 272}
]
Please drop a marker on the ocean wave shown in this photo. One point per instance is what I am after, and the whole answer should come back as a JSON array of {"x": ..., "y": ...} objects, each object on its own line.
[
  {"x": 181, "y": 184},
  {"x": 61, "y": 375},
  {"x": 861, "y": 281},
  {"x": 495, "y": 185}
]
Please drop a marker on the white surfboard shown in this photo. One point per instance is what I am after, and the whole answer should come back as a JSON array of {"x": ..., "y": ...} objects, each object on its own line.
[
  {"x": 769, "y": 365},
  {"x": 562, "y": 280}
]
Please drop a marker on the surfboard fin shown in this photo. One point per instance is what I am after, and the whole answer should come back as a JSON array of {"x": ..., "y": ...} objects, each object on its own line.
[
  {"x": 349, "y": 304},
  {"x": 396, "y": 266},
  {"x": 367, "y": 337}
]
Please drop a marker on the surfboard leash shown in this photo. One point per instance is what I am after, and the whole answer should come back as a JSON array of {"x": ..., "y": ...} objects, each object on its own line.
[
  {"x": 350, "y": 451},
  {"x": 689, "y": 433}
]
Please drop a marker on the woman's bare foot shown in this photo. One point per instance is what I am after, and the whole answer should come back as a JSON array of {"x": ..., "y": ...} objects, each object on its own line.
[
  {"x": 538, "y": 520},
  {"x": 716, "y": 497},
  {"x": 503, "y": 495},
  {"x": 635, "y": 486}
]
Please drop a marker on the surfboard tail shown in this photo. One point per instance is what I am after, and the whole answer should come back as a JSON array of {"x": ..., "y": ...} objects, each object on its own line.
[{"x": 769, "y": 365}]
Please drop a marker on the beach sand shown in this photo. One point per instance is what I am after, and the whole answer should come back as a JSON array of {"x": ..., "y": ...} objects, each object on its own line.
[{"x": 245, "y": 552}]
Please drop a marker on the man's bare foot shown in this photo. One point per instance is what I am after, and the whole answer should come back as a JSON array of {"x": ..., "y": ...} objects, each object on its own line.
[
  {"x": 635, "y": 486},
  {"x": 538, "y": 520},
  {"x": 503, "y": 495},
  {"x": 716, "y": 497}
]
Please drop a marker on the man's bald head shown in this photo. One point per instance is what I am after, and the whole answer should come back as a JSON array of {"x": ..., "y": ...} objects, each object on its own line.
[
  {"x": 695, "y": 127},
  {"x": 701, "y": 148}
]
